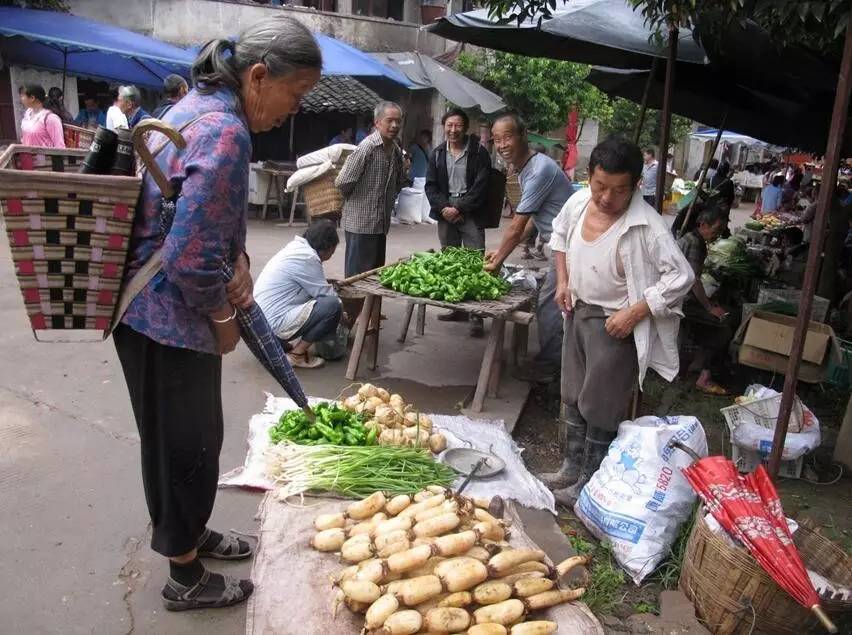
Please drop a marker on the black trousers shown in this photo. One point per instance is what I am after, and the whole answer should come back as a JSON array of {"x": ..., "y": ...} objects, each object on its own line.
[
  {"x": 364, "y": 252},
  {"x": 176, "y": 396}
]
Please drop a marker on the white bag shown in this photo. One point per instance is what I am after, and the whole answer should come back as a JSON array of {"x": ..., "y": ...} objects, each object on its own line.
[
  {"x": 638, "y": 498},
  {"x": 408, "y": 204}
]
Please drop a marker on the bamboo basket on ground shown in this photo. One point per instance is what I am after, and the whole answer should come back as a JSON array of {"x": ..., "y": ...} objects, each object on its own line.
[
  {"x": 69, "y": 234},
  {"x": 733, "y": 595}
]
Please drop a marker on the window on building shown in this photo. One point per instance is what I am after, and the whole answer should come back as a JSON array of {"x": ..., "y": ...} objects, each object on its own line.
[
  {"x": 380, "y": 8},
  {"x": 321, "y": 5}
]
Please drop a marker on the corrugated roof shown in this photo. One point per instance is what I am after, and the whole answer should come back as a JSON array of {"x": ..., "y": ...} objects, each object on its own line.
[{"x": 340, "y": 93}]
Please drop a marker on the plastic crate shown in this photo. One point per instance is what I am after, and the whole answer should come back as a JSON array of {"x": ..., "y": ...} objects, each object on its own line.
[
  {"x": 819, "y": 312},
  {"x": 839, "y": 371},
  {"x": 748, "y": 460}
]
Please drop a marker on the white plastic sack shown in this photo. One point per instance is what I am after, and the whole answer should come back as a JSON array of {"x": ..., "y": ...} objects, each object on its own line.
[
  {"x": 419, "y": 183},
  {"x": 638, "y": 498},
  {"x": 753, "y": 436},
  {"x": 425, "y": 208},
  {"x": 408, "y": 204}
]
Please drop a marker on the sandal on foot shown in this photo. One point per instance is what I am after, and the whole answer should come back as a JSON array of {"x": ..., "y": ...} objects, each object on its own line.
[
  {"x": 212, "y": 591},
  {"x": 303, "y": 361},
  {"x": 229, "y": 548},
  {"x": 713, "y": 389}
]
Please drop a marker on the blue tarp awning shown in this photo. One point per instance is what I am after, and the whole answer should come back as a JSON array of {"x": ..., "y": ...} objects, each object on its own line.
[{"x": 48, "y": 39}]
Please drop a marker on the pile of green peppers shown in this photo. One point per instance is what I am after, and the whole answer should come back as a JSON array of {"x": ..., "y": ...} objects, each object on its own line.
[
  {"x": 332, "y": 426},
  {"x": 452, "y": 275}
]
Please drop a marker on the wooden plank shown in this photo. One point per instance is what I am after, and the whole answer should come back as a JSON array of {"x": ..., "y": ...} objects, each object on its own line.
[
  {"x": 497, "y": 363},
  {"x": 266, "y": 198},
  {"x": 279, "y": 195},
  {"x": 520, "y": 342},
  {"x": 494, "y": 339},
  {"x": 360, "y": 335},
  {"x": 420, "y": 325},
  {"x": 406, "y": 322},
  {"x": 295, "y": 196},
  {"x": 373, "y": 334}
]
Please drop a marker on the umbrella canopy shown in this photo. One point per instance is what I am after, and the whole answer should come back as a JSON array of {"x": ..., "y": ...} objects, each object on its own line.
[
  {"x": 748, "y": 507},
  {"x": 53, "y": 40},
  {"x": 266, "y": 347},
  {"x": 425, "y": 72},
  {"x": 339, "y": 58},
  {"x": 599, "y": 32}
]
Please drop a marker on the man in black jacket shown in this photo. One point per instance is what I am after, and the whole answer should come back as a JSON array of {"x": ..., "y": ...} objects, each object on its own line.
[{"x": 457, "y": 187}]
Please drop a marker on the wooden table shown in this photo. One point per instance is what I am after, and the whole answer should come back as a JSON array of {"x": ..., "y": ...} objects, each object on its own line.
[
  {"x": 278, "y": 173},
  {"x": 512, "y": 307}
]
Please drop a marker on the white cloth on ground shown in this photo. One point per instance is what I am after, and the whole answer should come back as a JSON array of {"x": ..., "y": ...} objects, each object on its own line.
[{"x": 315, "y": 164}]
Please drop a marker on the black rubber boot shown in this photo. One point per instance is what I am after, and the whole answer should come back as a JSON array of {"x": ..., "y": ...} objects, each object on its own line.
[
  {"x": 572, "y": 441},
  {"x": 594, "y": 451}
]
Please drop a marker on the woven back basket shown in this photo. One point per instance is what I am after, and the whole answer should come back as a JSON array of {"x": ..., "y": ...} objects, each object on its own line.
[
  {"x": 732, "y": 594},
  {"x": 69, "y": 235},
  {"x": 513, "y": 189},
  {"x": 322, "y": 198}
]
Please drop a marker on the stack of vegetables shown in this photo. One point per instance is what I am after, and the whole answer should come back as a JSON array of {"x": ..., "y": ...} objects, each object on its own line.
[
  {"x": 331, "y": 425},
  {"x": 394, "y": 421},
  {"x": 729, "y": 256},
  {"x": 438, "y": 562},
  {"x": 452, "y": 275}
]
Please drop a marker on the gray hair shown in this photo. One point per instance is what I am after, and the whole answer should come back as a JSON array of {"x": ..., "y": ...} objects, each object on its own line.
[
  {"x": 517, "y": 121},
  {"x": 281, "y": 43},
  {"x": 131, "y": 94},
  {"x": 382, "y": 106},
  {"x": 172, "y": 85}
]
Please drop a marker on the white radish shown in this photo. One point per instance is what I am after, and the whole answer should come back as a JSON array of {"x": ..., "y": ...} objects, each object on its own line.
[
  {"x": 514, "y": 577},
  {"x": 437, "y": 526},
  {"x": 541, "y": 567},
  {"x": 458, "y": 600},
  {"x": 414, "y": 591},
  {"x": 447, "y": 507},
  {"x": 357, "y": 549},
  {"x": 363, "y": 509},
  {"x": 566, "y": 565},
  {"x": 487, "y": 629},
  {"x": 506, "y": 612},
  {"x": 383, "y": 540},
  {"x": 372, "y": 570},
  {"x": 552, "y": 598},
  {"x": 409, "y": 559},
  {"x": 355, "y": 606},
  {"x": 505, "y": 561},
  {"x": 492, "y": 592},
  {"x": 438, "y": 489},
  {"x": 361, "y": 590},
  {"x": 437, "y": 442},
  {"x": 393, "y": 548},
  {"x": 345, "y": 574},
  {"x": 367, "y": 390},
  {"x": 380, "y": 611},
  {"x": 483, "y": 516},
  {"x": 446, "y": 620},
  {"x": 329, "y": 539},
  {"x": 531, "y": 586},
  {"x": 382, "y": 394},
  {"x": 393, "y": 524},
  {"x": 426, "y": 569},
  {"x": 424, "y": 503},
  {"x": 397, "y": 504},
  {"x": 402, "y": 623},
  {"x": 329, "y": 521},
  {"x": 479, "y": 553},
  {"x": 422, "y": 495},
  {"x": 539, "y": 627},
  {"x": 455, "y": 544},
  {"x": 461, "y": 574}
]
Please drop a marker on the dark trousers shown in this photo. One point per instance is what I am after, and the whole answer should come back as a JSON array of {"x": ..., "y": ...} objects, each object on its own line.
[
  {"x": 323, "y": 320},
  {"x": 703, "y": 331},
  {"x": 176, "y": 396},
  {"x": 364, "y": 252},
  {"x": 598, "y": 370}
]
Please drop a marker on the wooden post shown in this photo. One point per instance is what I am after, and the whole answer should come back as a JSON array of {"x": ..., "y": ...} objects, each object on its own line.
[
  {"x": 703, "y": 176},
  {"x": 644, "y": 110},
  {"x": 497, "y": 362},
  {"x": 360, "y": 335},
  {"x": 667, "y": 117},
  {"x": 373, "y": 332},
  {"x": 406, "y": 322},
  {"x": 495, "y": 339},
  {"x": 826, "y": 197},
  {"x": 420, "y": 325}
]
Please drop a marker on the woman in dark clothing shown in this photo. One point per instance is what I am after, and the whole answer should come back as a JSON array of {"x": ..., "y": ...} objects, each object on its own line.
[{"x": 171, "y": 339}]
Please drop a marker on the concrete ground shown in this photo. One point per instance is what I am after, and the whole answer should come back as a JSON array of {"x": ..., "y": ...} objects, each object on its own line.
[{"x": 76, "y": 557}]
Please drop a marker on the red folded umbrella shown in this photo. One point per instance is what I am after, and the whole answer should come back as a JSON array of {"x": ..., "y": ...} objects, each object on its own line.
[{"x": 749, "y": 509}]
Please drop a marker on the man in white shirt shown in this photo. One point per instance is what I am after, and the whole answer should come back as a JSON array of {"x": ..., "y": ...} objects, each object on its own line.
[
  {"x": 621, "y": 280},
  {"x": 116, "y": 116},
  {"x": 295, "y": 296}
]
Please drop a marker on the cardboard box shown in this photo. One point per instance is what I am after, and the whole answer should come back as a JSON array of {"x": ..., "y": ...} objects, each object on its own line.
[
  {"x": 757, "y": 358},
  {"x": 774, "y": 333}
]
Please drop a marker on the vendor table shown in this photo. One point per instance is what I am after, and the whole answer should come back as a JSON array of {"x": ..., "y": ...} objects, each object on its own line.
[
  {"x": 277, "y": 174},
  {"x": 512, "y": 307}
]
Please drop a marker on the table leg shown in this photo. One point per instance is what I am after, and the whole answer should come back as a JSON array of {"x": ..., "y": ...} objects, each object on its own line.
[
  {"x": 497, "y": 364},
  {"x": 406, "y": 322},
  {"x": 279, "y": 195},
  {"x": 295, "y": 196},
  {"x": 494, "y": 341},
  {"x": 520, "y": 341},
  {"x": 373, "y": 334},
  {"x": 360, "y": 335},
  {"x": 266, "y": 198},
  {"x": 420, "y": 326}
]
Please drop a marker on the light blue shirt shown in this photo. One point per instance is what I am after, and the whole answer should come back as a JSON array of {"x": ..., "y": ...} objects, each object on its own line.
[
  {"x": 770, "y": 200},
  {"x": 288, "y": 285},
  {"x": 544, "y": 190}
]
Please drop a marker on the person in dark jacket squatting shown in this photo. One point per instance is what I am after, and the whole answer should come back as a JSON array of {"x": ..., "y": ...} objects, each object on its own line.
[{"x": 457, "y": 187}]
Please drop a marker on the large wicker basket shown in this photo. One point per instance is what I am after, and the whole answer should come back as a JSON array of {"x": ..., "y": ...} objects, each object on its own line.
[
  {"x": 513, "y": 189},
  {"x": 732, "y": 594},
  {"x": 69, "y": 235},
  {"x": 322, "y": 198}
]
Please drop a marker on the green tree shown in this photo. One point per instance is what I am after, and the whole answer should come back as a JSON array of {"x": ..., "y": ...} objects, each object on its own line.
[
  {"x": 625, "y": 118},
  {"x": 542, "y": 91},
  {"x": 51, "y": 5}
]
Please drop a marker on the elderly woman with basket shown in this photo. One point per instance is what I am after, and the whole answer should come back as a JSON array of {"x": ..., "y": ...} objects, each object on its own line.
[{"x": 177, "y": 327}]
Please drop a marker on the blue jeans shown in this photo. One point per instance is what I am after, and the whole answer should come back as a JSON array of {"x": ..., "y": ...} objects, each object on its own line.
[{"x": 323, "y": 320}]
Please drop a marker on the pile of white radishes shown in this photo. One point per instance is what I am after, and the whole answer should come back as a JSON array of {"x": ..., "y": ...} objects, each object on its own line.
[
  {"x": 438, "y": 562},
  {"x": 396, "y": 422}
]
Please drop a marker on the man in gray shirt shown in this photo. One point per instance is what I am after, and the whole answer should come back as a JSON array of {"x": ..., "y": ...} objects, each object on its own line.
[
  {"x": 649, "y": 177},
  {"x": 544, "y": 190}
]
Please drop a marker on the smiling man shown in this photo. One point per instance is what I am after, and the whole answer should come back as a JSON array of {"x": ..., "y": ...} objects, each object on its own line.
[
  {"x": 370, "y": 181},
  {"x": 620, "y": 282}
]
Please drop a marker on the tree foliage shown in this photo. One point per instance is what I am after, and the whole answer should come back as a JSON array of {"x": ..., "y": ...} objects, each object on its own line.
[
  {"x": 625, "y": 118},
  {"x": 542, "y": 91},
  {"x": 50, "y": 5}
]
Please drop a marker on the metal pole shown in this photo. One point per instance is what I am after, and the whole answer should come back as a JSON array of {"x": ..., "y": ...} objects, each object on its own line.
[
  {"x": 292, "y": 133},
  {"x": 826, "y": 197},
  {"x": 644, "y": 110},
  {"x": 64, "y": 70},
  {"x": 667, "y": 117},
  {"x": 703, "y": 176}
]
